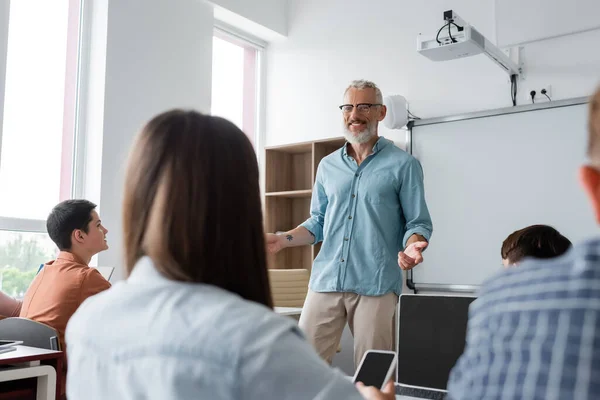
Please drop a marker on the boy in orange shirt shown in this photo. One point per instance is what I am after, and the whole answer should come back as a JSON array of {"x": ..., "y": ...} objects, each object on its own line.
[{"x": 63, "y": 284}]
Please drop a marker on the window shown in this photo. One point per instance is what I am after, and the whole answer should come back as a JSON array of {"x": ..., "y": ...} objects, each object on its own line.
[
  {"x": 21, "y": 254},
  {"x": 235, "y": 77},
  {"x": 39, "y": 64}
]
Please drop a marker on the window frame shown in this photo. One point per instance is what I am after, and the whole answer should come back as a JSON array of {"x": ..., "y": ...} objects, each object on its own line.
[
  {"x": 70, "y": 132},
  {"x": 254, "y": 74}
]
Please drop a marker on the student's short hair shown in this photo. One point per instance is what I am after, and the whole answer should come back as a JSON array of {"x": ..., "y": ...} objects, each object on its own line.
[
  {"x": 66, "y": 217},
  {"x": 537, "y": 241}
]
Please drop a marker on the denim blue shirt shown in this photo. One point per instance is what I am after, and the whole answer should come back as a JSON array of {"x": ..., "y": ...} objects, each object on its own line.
[
  {"x": 153, "y": 338},
  {"x": 364, "y": 215}
]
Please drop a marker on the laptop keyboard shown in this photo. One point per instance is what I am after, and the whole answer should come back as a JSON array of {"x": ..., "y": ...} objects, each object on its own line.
[{"x": 420, "y": 393}]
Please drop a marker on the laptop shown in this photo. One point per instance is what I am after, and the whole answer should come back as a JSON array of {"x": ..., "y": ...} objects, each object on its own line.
[{"x": 431, "y": 337}]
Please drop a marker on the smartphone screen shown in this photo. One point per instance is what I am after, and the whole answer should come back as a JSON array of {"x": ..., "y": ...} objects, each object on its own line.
[{"x": 374, "y": 369}]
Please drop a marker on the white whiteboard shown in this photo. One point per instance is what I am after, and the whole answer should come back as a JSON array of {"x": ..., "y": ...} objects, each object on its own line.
[
  {"x": 487, "y": 177},
  {"x": 524, "y": 21}
]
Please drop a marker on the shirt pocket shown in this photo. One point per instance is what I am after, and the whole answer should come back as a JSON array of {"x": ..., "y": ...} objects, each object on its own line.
[{"x": 379, "y": 188}]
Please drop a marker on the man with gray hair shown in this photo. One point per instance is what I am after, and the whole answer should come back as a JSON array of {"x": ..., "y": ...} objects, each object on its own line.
[{"x": 368, "y": 208}]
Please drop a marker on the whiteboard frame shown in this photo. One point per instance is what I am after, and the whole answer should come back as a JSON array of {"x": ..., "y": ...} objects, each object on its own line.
[{"x": 465, "y": 289}]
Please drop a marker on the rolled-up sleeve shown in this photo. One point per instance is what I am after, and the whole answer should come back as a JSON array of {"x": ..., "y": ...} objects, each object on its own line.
[
  {"x": 412, "y": 199},
  {"x": 318, "y": 206}
]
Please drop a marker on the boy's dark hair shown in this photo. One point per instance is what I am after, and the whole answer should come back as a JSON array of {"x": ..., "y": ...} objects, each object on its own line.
[
  {"x": 65, "y": 218},
  {"x": 537, "y": 241}
]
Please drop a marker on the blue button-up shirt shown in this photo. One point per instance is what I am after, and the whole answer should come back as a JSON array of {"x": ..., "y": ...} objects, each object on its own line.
[
  {"x": 364, "y": 215},
  {"x": 534, "y": 332},
  {"x": 154, "y": 338}
]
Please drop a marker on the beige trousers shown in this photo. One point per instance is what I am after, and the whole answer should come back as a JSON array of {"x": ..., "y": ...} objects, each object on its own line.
[{"x": 370, "y": 318}]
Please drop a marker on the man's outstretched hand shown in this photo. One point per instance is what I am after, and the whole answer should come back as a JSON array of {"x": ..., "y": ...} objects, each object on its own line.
[
  {"x": 412, "y": 255},
  {"x": 274, "y": 243}
]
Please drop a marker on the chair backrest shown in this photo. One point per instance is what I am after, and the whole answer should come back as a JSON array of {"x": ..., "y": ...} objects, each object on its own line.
[
  {"x": 32, "y": 333},
  {"x": 289, "y": 286}
]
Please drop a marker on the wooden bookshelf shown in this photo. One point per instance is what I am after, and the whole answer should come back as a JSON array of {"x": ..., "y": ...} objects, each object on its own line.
[{"x": 290, "y": 172}]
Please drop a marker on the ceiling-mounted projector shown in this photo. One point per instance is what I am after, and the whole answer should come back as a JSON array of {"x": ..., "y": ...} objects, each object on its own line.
[{"x": 457, "y": 39}]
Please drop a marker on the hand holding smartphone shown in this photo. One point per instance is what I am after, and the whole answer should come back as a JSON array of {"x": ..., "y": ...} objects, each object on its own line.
[{"x": 376, "y": 368}]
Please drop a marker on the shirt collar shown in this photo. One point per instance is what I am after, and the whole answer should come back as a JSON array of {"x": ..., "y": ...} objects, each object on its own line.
[
  {"x": 381, "y": 144},
  {"x": 70, "y": 257},
  {"x": 144, "y": 271}
]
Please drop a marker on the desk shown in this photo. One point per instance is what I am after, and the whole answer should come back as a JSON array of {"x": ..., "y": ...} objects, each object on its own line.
[
  {"x": 27, "y": 362},
  {"x": 289, "y": 311}
]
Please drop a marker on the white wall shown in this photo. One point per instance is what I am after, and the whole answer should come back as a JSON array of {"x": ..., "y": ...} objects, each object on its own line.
[
  {"x": 529, "y": 25},
  {"x": 139, "y": 58},
  {"x": 270, "y": 14},
  {"x": 158, "y": 56},
  {"x": 334, "y": 41}
]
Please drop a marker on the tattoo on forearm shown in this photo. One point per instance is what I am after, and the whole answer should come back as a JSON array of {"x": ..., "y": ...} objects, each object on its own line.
[{"x": 289, "y": 238}]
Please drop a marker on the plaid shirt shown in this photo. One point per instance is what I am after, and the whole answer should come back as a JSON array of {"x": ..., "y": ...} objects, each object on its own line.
[{"x": 534, "y": 332}]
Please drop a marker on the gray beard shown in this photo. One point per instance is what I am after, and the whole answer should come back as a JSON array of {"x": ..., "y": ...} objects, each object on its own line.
[{"x": 363, "y": 137}]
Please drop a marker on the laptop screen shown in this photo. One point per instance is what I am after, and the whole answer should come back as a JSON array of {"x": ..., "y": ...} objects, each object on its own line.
[{"x": 432, "y": 332}]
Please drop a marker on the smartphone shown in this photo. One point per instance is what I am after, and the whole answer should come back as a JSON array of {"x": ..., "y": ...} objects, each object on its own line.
[{"x": 376, "y": 368}]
